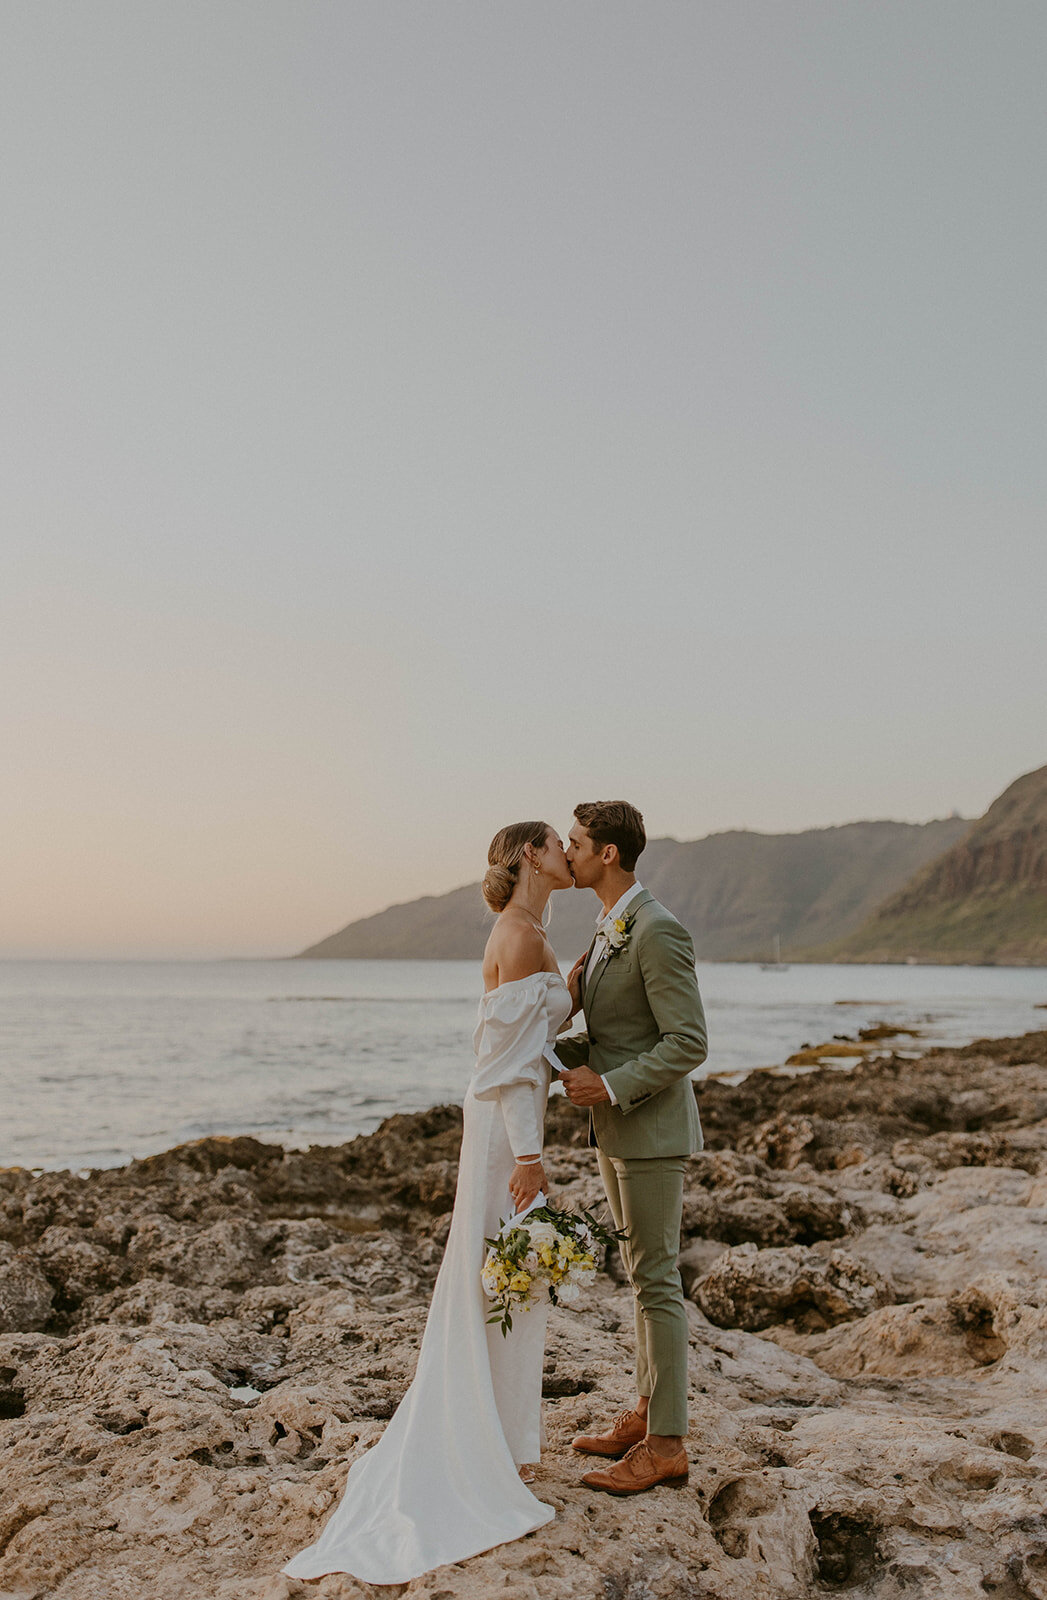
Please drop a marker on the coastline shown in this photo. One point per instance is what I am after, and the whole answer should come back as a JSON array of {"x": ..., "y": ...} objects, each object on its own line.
[
  {"x": 107, "y": 1063},
  {"x": 194, "y": 1347}
]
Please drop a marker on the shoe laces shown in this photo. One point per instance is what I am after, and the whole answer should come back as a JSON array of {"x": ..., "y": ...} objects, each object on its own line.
[{"x": 641, "y": 1446}]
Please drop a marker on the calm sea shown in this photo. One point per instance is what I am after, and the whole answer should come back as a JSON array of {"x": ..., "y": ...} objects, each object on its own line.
[{"x": 102, "y": 1061}]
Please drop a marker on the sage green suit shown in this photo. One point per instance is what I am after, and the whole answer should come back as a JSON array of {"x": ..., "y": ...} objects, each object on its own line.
[{"x": 645, "y": 1033}]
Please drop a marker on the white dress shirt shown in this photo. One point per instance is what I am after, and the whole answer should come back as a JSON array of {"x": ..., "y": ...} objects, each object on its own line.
[{"x": 601, "y": 947}]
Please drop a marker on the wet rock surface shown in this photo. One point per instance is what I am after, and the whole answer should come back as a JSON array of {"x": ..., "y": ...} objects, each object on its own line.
[{"x": 193, "y": 1349}]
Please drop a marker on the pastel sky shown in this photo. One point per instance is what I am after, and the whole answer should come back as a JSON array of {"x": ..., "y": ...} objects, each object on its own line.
[{"x": 422, "y": 417}]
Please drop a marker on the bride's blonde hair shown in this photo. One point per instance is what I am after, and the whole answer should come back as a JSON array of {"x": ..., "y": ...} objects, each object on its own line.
[{"x": 504, "y": 858}]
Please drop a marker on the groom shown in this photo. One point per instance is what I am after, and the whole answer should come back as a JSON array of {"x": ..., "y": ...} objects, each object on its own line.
[{"x": 645, "y": 1032}]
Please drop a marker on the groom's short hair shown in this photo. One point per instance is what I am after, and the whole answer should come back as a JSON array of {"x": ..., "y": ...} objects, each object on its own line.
[{"x": 614, "y": 822}]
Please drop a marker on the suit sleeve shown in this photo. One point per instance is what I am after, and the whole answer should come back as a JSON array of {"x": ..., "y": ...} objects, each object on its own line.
[
  {"x": 573, "y": 1049},
  {"x": 666, "y": 957}
]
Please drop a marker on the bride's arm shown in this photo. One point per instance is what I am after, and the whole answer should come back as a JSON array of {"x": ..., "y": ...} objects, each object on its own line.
[
  {"x": 512, "y": 1065},
  {"x": 525, "y": 1133}
]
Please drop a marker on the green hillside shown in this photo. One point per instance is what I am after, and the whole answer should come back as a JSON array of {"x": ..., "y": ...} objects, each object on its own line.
[{"x": 983, "y": 901}]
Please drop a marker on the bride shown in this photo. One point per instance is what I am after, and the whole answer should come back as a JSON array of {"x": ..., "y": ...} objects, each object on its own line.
[{"x": 448, "y": 1477}]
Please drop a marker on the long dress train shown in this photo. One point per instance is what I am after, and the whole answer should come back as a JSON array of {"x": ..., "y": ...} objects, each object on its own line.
[{"x": 442, "y": 1483}]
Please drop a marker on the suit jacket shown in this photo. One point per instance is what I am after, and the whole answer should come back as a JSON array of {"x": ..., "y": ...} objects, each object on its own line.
[{"x": 645, "y": 1033}]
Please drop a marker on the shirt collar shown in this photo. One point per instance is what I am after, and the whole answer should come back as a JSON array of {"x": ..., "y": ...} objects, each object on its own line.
[{"x": 619, "y": 905}]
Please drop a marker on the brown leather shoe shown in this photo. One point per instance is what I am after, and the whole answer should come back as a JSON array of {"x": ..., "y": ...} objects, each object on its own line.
[
  {"x": 625, "y": 1431},
  {"x": 639, "y": 1469}
]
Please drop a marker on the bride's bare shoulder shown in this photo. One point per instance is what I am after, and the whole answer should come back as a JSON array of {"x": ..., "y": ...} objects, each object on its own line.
[{"x": 513, "y": 951}]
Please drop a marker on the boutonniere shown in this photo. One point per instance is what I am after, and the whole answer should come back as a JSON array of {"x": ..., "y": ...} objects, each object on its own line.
[{"x": 617, "y": 936}]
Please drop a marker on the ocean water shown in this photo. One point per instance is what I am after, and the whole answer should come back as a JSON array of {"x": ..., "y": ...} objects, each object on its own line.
[{"x": 104, "y": 1061}]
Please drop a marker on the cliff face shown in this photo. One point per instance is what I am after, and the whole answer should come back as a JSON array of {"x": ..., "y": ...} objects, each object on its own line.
[
  {"x": 732, "y": 891},
  {"x": 984, "y": 900}
]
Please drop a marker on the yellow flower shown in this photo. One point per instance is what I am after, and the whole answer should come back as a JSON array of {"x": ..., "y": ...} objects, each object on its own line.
[{"x": 520, "y": 1281}]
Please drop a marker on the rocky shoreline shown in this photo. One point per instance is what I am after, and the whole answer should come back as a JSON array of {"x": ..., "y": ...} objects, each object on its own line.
[{"x": 194, "y": 1347}]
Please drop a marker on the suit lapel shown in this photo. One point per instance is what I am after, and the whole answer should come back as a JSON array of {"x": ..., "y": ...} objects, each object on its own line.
[
  {"x": 598, "y": 972},
  {"x": 585, "y": 980}
]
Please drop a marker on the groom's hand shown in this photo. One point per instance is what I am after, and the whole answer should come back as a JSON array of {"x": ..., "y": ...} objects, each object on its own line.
[{"x": 584, "y": 1086}]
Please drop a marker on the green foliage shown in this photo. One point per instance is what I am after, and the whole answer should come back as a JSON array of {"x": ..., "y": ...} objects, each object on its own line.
[{"x": 1003, "y": 925}]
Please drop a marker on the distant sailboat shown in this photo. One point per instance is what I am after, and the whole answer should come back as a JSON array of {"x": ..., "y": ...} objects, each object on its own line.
[{"x": 777, "y": 965}]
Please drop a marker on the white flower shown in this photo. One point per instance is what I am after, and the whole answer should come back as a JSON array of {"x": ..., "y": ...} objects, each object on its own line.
[
  {"x": 542, "y": 1233},
  {"x": 568, "y": 1292},
  {"x": 616, "y": 934}
]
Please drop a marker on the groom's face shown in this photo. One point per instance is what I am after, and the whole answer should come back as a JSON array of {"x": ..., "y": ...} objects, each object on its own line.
[{"x": 583, "y": 858}]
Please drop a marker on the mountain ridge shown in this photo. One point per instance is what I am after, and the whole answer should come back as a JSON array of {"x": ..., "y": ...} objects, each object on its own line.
[{"x": 734, "y": 890}]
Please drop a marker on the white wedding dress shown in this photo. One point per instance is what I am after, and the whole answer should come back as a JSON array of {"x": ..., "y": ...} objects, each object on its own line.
[{"x": 442, "y": 1483}]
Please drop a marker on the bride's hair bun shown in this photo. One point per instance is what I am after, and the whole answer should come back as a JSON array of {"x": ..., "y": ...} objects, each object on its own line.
[
  {"x": 504, "y": 858},
  {"x": 498, "y": 885}
]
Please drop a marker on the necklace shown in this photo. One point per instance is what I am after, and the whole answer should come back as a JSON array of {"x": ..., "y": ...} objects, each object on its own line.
[{"x": 540, "y": 927}]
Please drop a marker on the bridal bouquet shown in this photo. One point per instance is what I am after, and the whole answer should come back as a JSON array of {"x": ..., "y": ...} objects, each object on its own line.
[{"x": 544, "y": 1251}]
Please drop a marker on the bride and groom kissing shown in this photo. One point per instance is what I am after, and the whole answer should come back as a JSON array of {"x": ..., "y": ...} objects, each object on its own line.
[{"x": 449, "y": 1477}]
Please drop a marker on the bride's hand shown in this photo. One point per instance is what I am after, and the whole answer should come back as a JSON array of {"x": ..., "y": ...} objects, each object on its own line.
[
  {"x": 525, "y": 1183},
  {"x": 574, "y": 983}
]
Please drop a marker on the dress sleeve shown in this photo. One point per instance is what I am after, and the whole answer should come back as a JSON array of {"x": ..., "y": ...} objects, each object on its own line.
[{"x": 510, "y": 1045}]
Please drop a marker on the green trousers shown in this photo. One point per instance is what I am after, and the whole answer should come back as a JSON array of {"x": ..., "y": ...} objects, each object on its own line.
[{"x": 646, "y": 1199}]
